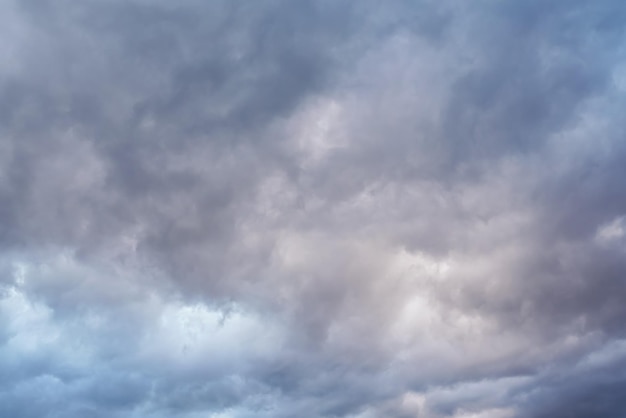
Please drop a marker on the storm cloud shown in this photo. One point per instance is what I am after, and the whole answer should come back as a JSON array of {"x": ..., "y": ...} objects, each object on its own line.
[{"x": 312, "y": 209}]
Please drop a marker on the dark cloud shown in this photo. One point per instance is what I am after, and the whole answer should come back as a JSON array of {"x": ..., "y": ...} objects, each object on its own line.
[{"x": 312, "y": 208}]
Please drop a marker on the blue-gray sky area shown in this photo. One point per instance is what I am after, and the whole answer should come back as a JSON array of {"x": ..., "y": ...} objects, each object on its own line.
[{"x": 312, "y": 208}]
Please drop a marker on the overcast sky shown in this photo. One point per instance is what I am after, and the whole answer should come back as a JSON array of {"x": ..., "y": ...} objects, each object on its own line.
[{"x": 312, "y": 208}]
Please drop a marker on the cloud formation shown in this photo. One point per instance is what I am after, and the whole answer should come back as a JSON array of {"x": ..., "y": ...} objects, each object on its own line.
[{"x": 319, "y": 209}]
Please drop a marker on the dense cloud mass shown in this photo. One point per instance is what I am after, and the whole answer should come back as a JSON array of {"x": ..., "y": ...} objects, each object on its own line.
[{"x": 312, "y": 208}]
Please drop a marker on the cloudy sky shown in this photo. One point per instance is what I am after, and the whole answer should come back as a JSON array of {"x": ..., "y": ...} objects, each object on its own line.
[{"x": 312, "y": 208}]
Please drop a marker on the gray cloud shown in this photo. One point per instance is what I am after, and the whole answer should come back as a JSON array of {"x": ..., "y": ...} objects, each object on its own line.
[{"x": 311, "y": 209}]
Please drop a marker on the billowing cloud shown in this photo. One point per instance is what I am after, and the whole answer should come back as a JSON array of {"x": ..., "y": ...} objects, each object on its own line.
[{"x": 320, "y": 209}]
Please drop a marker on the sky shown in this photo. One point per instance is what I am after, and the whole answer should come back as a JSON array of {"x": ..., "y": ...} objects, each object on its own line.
[{"x": 312, "y": 208}]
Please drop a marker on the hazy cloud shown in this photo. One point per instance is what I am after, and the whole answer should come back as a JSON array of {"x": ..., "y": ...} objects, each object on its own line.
[{"x": 314, "y": 208}]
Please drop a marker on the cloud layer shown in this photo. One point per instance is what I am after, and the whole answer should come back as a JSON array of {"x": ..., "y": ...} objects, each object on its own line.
[{"x": 314, "y": 208}]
